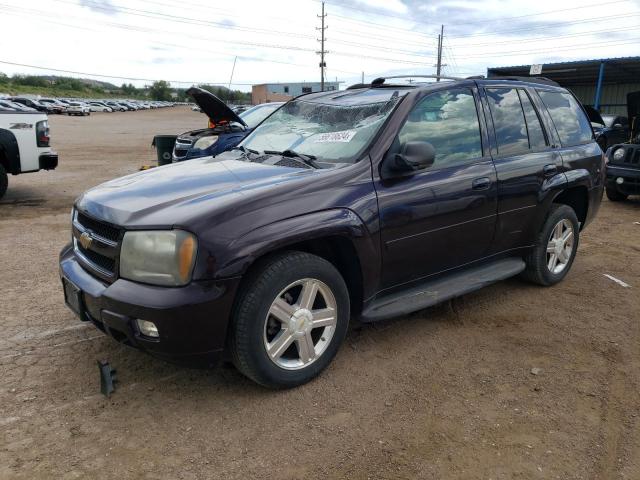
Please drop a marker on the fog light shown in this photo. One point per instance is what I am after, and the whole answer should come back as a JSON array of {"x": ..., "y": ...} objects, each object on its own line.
[
  {"x": 619, "y": 180},
  {"x": 147, "y": 328}
]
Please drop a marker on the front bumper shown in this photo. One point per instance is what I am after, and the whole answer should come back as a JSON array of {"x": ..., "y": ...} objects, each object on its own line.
[
  {"x": 48, "y": 161},
  {"x": 192, "y": 320},
  {"x": 630, "y": 176}
]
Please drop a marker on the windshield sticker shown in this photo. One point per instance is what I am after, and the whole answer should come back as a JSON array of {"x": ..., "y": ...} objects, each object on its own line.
[{"x": 330, "y": 137}]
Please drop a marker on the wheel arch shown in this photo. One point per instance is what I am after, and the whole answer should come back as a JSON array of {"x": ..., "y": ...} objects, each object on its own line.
[
  {"x": 9, "y": 152},
  {"x": 339, "y": 236},
  {"x": 576, "y": 197}
]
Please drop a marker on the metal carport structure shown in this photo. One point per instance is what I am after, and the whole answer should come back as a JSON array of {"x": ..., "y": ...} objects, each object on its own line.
[{"x": 602, "y": 84}]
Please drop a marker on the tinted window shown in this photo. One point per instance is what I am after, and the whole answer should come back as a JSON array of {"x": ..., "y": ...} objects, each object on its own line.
[
  {"x": 508, "y": 121},
  {"x": 570, "y": 121},
  {"x": 449, "y": 121},
  {"x": 537, "y": 140}
]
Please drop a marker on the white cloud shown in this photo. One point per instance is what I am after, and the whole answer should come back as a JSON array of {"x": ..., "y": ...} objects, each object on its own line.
[{"x": 276, "y": 41}]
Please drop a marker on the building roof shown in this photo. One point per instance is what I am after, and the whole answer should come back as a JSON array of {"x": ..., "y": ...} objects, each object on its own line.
[
  {"x": 582, "y": 72},
  {"x": 295, "y": 83}
]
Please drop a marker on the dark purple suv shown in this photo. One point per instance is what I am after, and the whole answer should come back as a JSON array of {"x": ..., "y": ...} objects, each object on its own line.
[{"x": 365, "y": 203}]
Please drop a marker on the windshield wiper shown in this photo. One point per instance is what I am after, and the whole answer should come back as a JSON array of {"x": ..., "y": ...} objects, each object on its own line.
[
  {"x": 246, "y": 150},
  {"x": 306, "y": 159}
]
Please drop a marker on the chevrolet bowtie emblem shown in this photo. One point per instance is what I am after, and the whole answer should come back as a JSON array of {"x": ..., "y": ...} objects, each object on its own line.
[{"x": 86, "y": 240}]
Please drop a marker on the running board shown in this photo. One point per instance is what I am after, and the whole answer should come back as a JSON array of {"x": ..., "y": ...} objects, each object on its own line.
[{"x": 436, "y": 291}]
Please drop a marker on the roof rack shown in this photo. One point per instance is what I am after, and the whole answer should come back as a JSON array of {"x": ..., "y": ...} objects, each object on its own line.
[
  {"x": 358, "y": 85},
  {"x": 380, "y": 80},
  {"x": 541, "y": 80}
]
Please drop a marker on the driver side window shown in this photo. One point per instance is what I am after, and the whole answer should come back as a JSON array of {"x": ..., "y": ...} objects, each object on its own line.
[{"x": 448, "y": 120}]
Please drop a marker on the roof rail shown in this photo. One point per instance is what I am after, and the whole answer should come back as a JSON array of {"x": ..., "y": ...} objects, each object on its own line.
[
  {"x": 358, "y": 85},
  {"x": 380, "y": 80},
  {"x": 541, "y": 80}
]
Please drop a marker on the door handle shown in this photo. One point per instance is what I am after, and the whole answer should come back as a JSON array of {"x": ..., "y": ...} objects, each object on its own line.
[
  {"x": 482, "y": 183},
  {"x": 550, "y": 170}
]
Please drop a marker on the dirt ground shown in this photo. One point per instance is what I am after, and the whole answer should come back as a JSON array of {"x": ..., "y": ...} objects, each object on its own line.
[{"x": 444, "y": 393}]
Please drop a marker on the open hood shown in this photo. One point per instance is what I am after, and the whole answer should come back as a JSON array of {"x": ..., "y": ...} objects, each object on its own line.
[
  {"x": 594, "y": 115},
  {"x": 213, "y": 107}
]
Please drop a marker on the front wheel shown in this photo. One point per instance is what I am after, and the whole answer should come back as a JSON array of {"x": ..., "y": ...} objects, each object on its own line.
[
  {"x": 614, "y": 195},
  {"x": 289, "y": 320},
  {"x": 555, "y": 248}
]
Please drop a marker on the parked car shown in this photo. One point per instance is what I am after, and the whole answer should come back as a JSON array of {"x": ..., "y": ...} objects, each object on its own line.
[
  {"x": 129, "y": 106},
  {"x": 623, "y": 160},
  {"x": 116, "y": 106},
  {"x": 99, "y": 107},
  {"x": 32, "y": 103},
  {"x": 55, "y": 105},
  {"x": 612, "y": 129},
  {"x": 24, "y": 144},
  {"x": 370, "y": 203},
  {"x": 15, "y": 106},
  {"x": 78, "y": 108},
  {"x": 226, "y": 128}
]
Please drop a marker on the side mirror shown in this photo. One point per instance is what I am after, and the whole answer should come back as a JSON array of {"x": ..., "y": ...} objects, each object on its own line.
[{"x": 413, "y": 156}]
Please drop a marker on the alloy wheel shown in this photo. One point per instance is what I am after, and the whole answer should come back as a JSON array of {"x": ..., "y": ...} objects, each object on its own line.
[
  {"x": 300, "y": 324},
  {"x": 560, "y": 246}
]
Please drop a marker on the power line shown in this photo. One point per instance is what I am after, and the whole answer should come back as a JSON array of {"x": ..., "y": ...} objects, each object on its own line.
[
  {"x": 376, "y": 47},
  {"x": 136, "y": 79},
  {"x": 544, "y": 27},
  {"x": 541, "y": 39},
  {"x": 534, "y": 52},
  {"x": 487, "y": 20}
]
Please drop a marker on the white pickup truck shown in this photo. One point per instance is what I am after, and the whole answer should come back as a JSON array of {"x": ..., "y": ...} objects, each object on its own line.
[{"x": 24, "y": 144}]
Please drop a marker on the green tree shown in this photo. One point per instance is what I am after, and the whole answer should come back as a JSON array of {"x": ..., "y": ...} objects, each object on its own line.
[
  {"x": 129, "y": 89},
  {"x": 160, "y": 90}
]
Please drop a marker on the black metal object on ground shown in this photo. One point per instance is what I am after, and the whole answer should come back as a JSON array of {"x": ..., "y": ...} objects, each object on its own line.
[{"x": 107, "y": 378}]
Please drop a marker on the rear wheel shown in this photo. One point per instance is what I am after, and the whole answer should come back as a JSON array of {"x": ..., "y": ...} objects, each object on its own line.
[
  {"x": 4, "y": 181},
  {"x": 614, "y": 195},
  {"x": 555, "y": 248},
  {"x": 289, "y": 320}
]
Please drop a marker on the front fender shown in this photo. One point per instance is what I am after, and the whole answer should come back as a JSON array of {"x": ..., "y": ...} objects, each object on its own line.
[{"x": 244, "y": 251}]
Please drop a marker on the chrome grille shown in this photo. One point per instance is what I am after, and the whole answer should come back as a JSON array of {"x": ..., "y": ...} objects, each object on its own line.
[{"x": 96, "y": 245}]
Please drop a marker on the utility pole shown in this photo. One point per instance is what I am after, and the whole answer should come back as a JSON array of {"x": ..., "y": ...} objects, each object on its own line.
[
  {"x": 439, "y": 64},
  {"x": 232, "y": 70},
  {"x": 322, "y": 52},
  {"x": 362, "y": 78}
]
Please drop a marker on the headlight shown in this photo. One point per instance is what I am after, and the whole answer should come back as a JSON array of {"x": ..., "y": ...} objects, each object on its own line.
[
  {"x": 618, "y": 154},
  {"x": 206, "y": 142},
  {"x": 158, "y": 257}
]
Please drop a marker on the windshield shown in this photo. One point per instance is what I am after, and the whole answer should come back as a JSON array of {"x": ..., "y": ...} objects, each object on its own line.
[
  {"x": 329, "y": 132},
  {"x": 608, "y": 120},
  {"x": 255, "y": 115}
]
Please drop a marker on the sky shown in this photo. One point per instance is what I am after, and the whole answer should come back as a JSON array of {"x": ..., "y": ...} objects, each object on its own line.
[{"x": 195, "y": 41}]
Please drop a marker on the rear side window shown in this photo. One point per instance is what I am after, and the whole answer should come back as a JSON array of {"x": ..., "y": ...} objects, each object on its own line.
[
  {"x": 508, "y": 121},
  {"x": 537, "y": 140},
  {"x": 570, "y": 121}
]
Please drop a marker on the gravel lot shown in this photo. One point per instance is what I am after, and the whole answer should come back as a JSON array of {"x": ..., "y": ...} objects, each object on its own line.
[{"x": 444, "y": 393}]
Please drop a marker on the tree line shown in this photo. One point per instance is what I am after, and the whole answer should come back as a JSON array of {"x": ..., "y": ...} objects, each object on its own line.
[{"x": 158, "y": 90}]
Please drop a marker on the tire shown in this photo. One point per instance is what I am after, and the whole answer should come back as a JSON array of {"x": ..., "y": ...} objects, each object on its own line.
[
  {"x": 282, "y": 278},
  {"x": 4, "y": 181},
  {"x": 540, "y": 260},
  {"x": 614, "y": 195}
]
